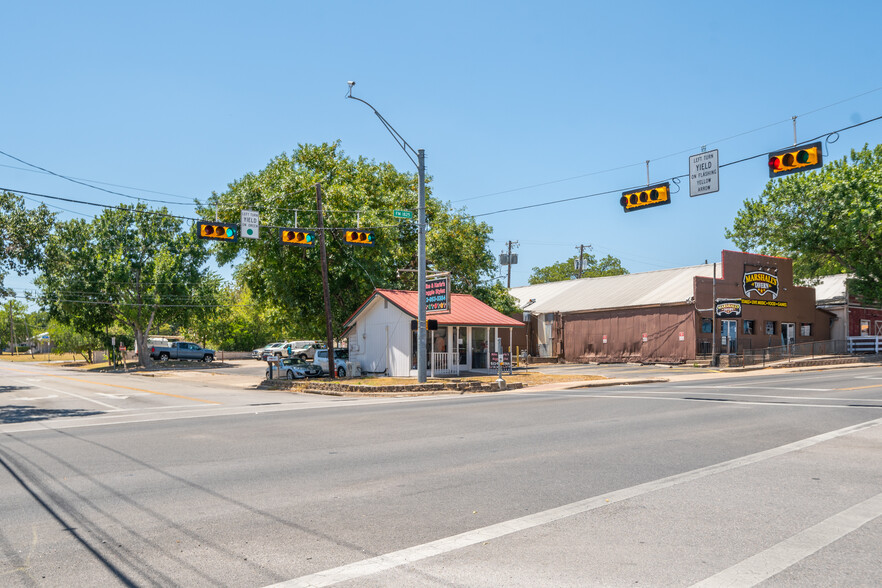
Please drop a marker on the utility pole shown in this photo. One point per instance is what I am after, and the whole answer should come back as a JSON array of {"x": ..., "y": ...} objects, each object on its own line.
[
  {"x": 326, "y": 292},
  {"x": 581, "y": 253},
  {"x": 508, "y": 260},
  {"x": 11, "y": 331}
]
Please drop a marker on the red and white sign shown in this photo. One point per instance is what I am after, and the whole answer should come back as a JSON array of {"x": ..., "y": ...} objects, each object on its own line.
[
  {"x": 682, "y": 336},
  {"x": 604, "y": 339},
  {"x": 122, "y": 348},
  {"x": 645, "y": 337}
]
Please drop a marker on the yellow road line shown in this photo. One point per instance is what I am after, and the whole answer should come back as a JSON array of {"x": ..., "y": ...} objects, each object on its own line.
[{"x": 861, "y": 387}]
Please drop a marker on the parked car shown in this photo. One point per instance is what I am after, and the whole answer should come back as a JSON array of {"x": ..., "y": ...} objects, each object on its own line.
[
  {"x": 293, "y": 368},
  {"x": 277, "y": 349},
  {"x": 341, "y": 361},
  {"x": 182, "y": 350},
  {"x": 303, "y": 349}
]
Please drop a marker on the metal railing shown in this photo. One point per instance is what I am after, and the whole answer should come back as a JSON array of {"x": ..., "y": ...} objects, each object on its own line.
[
  {"x": 749, "y": 357},
  {"x": 442, "y": 364}
]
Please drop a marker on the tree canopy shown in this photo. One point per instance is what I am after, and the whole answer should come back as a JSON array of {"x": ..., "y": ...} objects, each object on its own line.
[
  {"x": 23, "y": 232},
  {"x": 286, "y": 280},
  {"x": 828, "y": 221},
  {"x": 566, "y": 270},
  {"x": 131, "y": 265}
]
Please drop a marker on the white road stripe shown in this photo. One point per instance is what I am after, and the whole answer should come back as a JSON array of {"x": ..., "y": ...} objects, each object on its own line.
[
  {"x": 677, "y": 392},
  {"x": 409, "y": 555},
  {"x": 110, "y": 406},
  {"x": 776, "y": 559},
  {"x": 733, "y": 402}
]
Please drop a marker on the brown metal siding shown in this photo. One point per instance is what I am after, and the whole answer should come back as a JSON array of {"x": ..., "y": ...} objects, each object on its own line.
[{"x": 583, "y": 334}]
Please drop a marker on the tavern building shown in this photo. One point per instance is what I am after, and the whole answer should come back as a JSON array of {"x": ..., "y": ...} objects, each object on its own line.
[{"x": 746, "y": 302}]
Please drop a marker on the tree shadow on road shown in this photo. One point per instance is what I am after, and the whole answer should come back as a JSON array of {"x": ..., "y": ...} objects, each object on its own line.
[{"x": 24, "y": 414}]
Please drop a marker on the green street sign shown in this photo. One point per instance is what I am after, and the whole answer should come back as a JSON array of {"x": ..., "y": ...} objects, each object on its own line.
[{"x": 402, "y": 214}]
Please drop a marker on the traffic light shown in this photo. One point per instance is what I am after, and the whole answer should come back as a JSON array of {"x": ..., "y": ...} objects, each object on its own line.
[
  {"x": 654, "y": 195},
  {"x": 297, "y": 237},
  {"x": 795, "y": 159},
  {"x": 431, "y": 324},
  {"x": 359, "y": 237},
  {"x": 218, "y": 231}
]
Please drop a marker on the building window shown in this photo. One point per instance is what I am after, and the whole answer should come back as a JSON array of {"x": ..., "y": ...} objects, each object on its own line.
[
  {"x": 707, "y": 325},
  {"x": 749, "y": 328},
  {"x": 770, "y": 327},
  {"x": 805, "y": 329},
  {"x": 865, "y": 328}
]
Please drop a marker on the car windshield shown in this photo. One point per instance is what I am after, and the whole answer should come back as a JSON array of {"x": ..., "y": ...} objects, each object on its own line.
[{"x": 341, "y": 353}]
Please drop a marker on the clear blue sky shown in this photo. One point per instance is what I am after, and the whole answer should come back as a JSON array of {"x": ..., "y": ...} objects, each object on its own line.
[{"x": 515, "y": 103}]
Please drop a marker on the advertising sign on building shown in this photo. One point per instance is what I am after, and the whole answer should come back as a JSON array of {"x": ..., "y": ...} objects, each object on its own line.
[
  {"x": 727, "y": 309},
  {"x": 438, "y": 295},
  {"x": 760, "y": 282},
  {"x": 494, "y": 360}
]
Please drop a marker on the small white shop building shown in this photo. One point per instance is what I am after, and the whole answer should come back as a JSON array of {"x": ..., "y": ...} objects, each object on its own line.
[{"x": 382, "y": 340}]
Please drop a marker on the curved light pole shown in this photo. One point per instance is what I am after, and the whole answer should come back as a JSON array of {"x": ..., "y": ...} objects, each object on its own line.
[{"x": 420, "y": 164}]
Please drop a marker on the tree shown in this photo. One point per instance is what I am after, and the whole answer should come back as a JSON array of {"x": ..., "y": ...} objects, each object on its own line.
[
  {"x": 566, "y": 270},
  {"x": 131, "y": 265},
  {"x": 286, "y": 280},
  {"x": 23, "y": 232},
  {"x": 828, "y": 221},
  {"x": 497, "y": 296},
  {"x": 66, "y": 339}
]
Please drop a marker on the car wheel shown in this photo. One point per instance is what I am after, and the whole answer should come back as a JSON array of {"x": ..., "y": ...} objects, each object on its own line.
[
  {"x": 341, "y": 372},
  {"x": 302, "y": 356},
  {"x": 267, "y": 375},
  {"x": 163, "y": 357},
  {"x": 290, "y": 375},
  {"x": 279, "y": 355},
  {"x": 208, "y": 358}
]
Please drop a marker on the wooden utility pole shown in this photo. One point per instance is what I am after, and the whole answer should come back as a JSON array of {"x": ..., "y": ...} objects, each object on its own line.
[
  {"x": 581, "y": 253},
  {"x": 326, "y": 292}
]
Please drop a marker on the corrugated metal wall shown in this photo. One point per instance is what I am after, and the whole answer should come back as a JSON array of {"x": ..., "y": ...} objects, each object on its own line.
[{"x": 583, "y": 334}]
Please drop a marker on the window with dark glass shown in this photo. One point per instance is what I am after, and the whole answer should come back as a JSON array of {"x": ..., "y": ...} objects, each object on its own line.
[
  {"x": 707, "y": 325},
  {"x": 770, "y": 327},
  {"x": 749, "y": 328}
]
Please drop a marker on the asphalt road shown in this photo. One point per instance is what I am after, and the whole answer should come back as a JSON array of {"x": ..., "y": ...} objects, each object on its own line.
[{"x": 770, "y": 479}]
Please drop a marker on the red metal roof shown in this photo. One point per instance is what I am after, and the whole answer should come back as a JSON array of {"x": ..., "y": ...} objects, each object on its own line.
[{"x": 465, "y": 310}]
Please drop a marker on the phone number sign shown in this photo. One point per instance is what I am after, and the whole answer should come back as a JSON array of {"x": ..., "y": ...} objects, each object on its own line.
[{"x": 438, "y": 295}]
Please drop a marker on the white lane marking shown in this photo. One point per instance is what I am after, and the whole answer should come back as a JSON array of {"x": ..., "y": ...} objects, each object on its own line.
[
  {"x": 117, "y": 396},
  {"x": 110, "y": 406},
  {"x": 409, "y": 555},
  {"x": 746, "y": 387},
  {"x": 37, "y": 397},
  {"x": 833, "y": 398},
  {"x": 778, "y": 558},
  {"x": 731, "y": 402}
]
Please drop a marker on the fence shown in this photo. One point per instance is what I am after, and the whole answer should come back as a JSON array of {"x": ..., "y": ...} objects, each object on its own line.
[
  {"x": 749, "y": 357},
  {"x": 864, "y": 344},
  {"x": 442, "y": 364}
]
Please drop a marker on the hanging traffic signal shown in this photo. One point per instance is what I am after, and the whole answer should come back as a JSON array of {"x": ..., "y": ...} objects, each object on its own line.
[
  {"x": 359, "y": 237},
  {"x": 654, "y": 195},
  {"x": 297, "y": 237},
  {"x": 795, "y": 159},
  {"x": 218, "y": 231}
]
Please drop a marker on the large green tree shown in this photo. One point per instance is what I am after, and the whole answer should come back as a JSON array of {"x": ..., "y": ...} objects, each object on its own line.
[
  {"x": 23, "y": 232},
  {"x": 566, "y": 270},
  {"x": 132, "y": 266},
  {"x": 828, "y": 221},
  {"x": 286, "y": 279}
]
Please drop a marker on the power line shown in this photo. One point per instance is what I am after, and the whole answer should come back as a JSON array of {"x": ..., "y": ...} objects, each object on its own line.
[
  {"x": 689, "y": 150},
  {"x": 620, "y": 190}
]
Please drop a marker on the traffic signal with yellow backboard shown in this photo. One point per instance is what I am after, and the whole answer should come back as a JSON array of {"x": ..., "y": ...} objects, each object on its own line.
[
  {"x": 218, "y": 231},
  {"x": 654, "y": 195},
  {"x": 297, "y": 237},
  {"x": 359, "y": 237},
  {"x": 795, "y": 159}
]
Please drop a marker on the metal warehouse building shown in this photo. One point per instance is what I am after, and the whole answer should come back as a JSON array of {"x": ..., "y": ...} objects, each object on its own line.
[{"x": 674, "y": 314}]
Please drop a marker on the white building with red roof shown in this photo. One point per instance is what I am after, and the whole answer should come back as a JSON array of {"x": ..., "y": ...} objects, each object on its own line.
[{"x": 383, "y": 341}]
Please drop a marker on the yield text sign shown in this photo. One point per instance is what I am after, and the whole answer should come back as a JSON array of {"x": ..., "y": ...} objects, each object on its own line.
[
  {"x": 704, "y": 173},
  {"x": 250, "y": 224}
]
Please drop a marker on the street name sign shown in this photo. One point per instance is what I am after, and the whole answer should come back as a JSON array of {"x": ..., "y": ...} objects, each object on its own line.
[{"x": 402, "y": 214}]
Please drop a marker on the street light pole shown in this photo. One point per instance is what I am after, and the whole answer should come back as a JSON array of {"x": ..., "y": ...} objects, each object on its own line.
[{"x": 421, "y": 221}]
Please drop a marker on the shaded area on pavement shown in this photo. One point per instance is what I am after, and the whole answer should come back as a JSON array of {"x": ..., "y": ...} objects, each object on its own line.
[{"x": 24, "y": 414}]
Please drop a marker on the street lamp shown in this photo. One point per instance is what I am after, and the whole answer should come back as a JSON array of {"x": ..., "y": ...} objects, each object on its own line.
[{"x": 420, "y": 164}]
